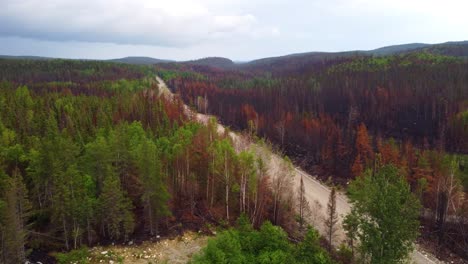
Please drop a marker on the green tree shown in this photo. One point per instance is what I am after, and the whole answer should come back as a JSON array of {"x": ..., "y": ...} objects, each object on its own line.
[
  {"x": 96, "y": 158},
  {"x": 351, "y": 227},
  {"x": 226, "y": 248},
  {"x": 155, "y": 195},
  {"x": 22, "y": 111},
  {"x": 310, "y": 251},
  {"x": 332, "y": 218},
  {"x": 223, "y": 166},
  {"x": 115, "y": 208},
  {"x": 14, "y": 213},
  {"x": 387, "y": 214},
  {"x": 248, "y": 172}
]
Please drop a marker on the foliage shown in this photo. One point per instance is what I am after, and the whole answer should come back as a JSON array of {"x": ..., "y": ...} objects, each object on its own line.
[
  {"x": 385, "y": 63},
  {"x": 268, "y": 245},
  {"x": 79, "y": 256},
  {"x": 91, "y": 152},
  {"x": 387, "y": 215}
]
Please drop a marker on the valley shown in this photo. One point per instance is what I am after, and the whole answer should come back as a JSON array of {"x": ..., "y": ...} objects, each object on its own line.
[{"x": 102, "y": 154}]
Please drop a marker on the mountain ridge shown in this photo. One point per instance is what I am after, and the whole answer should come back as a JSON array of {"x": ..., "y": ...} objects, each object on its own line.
[{"x": 451, "y": 48}]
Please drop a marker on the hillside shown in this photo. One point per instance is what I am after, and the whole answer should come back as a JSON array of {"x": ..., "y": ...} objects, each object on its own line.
[
  {"x": 139, "y": 60},
  {"x": 293, "y": 61},
  {"x": 391, "y": 50},
  {"x": 95, "y": 153},
  {"x": 215, "y": 62},
  {"x": 456, "y": 48},
  {"x": 340, "y": 115},
  {"x": 82, "y": 140}
]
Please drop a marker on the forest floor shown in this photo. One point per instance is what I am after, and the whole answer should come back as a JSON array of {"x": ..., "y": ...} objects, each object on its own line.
[
  {"x": 317, "y": 193},
  {"x": 168, "y": 250}
]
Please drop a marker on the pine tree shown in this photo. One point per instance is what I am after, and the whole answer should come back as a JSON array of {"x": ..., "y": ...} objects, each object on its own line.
[
  {"x": 332, "y": 217},
  {"x": 14, "y": 214},
  {"x": 155, "y": 195},
  {"x": 303, "y": 205},
  {"x": 115, "y": 208}
]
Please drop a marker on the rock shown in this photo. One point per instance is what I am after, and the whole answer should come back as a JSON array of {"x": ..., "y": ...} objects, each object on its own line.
[
  {"x": 104, "y": 252},
  {"x": 130, "y": 243},
  {"x": 111, "y": 262}
]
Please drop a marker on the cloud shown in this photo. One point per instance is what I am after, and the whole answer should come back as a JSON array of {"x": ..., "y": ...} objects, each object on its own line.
[
  {"x": 169, "y": 23},
  {"x": 239, "y": 29}
]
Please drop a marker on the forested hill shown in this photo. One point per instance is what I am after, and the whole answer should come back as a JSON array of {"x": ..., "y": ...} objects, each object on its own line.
[
  {"x": 457, "y": 49},
  {"x": 338, "y": 116}
]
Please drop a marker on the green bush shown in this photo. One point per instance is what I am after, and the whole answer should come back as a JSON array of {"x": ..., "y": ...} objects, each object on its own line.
[
  {"x": 79, "y": 256},
  {"x": 269, "y": 245}
]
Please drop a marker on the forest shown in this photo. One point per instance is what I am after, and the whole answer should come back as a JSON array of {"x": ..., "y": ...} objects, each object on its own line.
[
  {"x": 90, "y": 153},
  {"x": 338, "y": 115}
]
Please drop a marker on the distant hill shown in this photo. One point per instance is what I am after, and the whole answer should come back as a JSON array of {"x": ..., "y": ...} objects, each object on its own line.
[
  {"x": 390, "y": 50},
  {"x": 457, "y": 49},
  {"x": 217, "y": 62},
  {"x": 139, "y": 60},
  {"x": 292, "y": 61},
  {"x": 24, "y": 57},
  {"x": 128, "y": 60}
]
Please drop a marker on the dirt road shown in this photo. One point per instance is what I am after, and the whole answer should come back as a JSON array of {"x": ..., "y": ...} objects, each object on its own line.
[{"x": 317, "y": 193}]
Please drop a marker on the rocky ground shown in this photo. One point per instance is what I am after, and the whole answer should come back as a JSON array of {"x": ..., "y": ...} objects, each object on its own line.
[{"x": 176, "y": 250}]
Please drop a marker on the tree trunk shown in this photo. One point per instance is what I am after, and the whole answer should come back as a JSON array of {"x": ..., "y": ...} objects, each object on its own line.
[
  {"x": 150, "y": 217},
  {"x": 65, "y": 233},
  {"x": 226, "y": 175},
  {"x": 227, "y": 202}
]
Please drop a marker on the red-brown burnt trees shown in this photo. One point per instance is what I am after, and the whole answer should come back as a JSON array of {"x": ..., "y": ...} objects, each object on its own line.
[{"x": 364, "y": 151}]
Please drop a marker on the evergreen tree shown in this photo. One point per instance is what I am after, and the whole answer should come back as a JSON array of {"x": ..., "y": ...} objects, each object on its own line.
[
  {"x": 310, "y": 251},
  {"x": 115, "y": 208},
  {"x": 303, "y": 205},
  {"x": 155, "y": 195},
  {"x": 14, "y": 213},
  {"x": 332, "y": 217}
]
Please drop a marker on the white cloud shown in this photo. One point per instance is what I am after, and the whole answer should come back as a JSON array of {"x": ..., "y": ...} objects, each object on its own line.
[
  {"x": 239, "y": 29},
  {"x": 161, "y": 23}
]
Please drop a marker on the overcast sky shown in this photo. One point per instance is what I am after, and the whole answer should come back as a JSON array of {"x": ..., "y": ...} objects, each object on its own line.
[{"x": 240, "y": 30}]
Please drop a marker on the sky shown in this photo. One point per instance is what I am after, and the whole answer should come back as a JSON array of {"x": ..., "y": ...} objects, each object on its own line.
[{"x": 241, "y": 30}]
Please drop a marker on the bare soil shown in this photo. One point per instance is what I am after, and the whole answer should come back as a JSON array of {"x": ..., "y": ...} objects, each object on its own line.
[{"x": 175, "y": 250}]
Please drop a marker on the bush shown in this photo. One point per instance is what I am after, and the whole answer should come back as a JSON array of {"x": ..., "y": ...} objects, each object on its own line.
[
  {"x": 79, "y": 256},
  {"x": 270, "y": 244}
]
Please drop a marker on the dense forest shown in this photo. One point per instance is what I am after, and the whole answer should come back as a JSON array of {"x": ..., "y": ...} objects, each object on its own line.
[
  {"x": 90, "y": 153},
  {"x": 95, "y": 153},
  {"x": 338, "y": 115}
]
